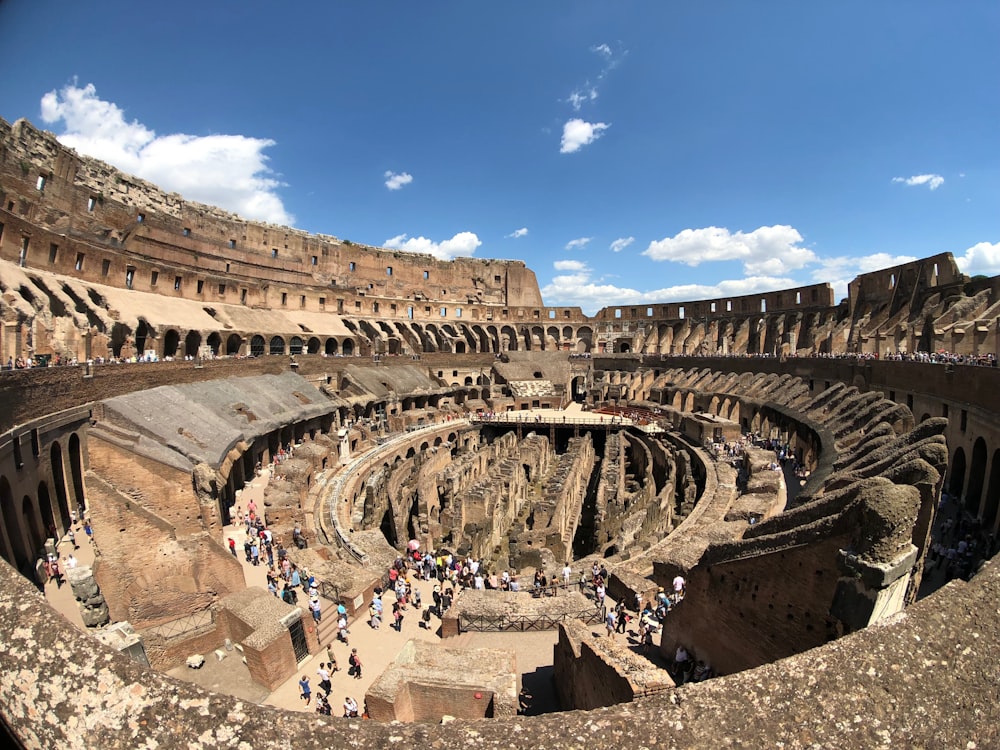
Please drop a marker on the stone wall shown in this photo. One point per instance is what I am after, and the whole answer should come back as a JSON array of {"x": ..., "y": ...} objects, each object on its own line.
[{"x": 592, "y": 670}]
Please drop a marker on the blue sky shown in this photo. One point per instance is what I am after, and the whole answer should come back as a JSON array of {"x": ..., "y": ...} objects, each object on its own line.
[{"x": 629, "y": 152}]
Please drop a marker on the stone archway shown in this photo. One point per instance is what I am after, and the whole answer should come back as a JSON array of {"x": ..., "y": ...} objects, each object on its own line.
[
  {"x": 233, "y": 344},
  {"x": 171, "y": 342},
  {"x": 977, "y": 477},
  {"x": 192, "y": 344},
  {"x": 956, "y": 482}
]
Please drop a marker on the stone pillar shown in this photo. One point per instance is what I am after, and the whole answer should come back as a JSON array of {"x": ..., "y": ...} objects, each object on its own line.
[
  {"x": 93, "y": 608},
  {"x": 345, "y": 445}
]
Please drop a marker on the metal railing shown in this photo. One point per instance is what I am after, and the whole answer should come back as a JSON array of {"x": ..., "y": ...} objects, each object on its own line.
[
  {"x": 524, "y": 623},
  {"x": 184, "y": 625}
]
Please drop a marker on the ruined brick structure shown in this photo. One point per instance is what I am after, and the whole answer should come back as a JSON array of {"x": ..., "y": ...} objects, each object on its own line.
[{"x": 98, "y": 265}]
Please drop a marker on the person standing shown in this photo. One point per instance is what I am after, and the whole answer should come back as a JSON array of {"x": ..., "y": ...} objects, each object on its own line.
[
  {"x": 621, "y": 618},
  {"x": 355, "y": 664},
  {"x": 610, "y": 620}
]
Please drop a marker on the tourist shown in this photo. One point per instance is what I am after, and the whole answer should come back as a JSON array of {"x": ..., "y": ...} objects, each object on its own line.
[
  {"x": 316, "y": 609},
  {"x": 397, "y": 616},
  {"x": 567, "y": 572},
  {"x": 354, "y": 662},
  {"x": 610, "y": 620},
  {"x": 342, "y": 630},
  {"x": 305, "y": 692},
  {"x": 322, "y": 705},
  {"x": 350, "y": 708},
  {"x": 324, "y": 678},
  {"x": 679, "y": 588}
]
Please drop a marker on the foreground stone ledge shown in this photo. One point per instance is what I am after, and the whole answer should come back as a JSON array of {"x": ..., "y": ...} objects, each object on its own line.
[{"x": 927, "y": 678}]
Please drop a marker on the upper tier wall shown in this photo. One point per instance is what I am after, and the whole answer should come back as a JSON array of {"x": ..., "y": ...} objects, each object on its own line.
[{"x": 82, "y": 198}]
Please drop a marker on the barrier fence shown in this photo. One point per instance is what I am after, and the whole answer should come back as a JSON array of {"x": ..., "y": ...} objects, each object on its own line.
[{"x": 524, "y": 623}]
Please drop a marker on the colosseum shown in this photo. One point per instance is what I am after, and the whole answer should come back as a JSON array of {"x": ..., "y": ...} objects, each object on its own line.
[{"x": 824, "y": 476}]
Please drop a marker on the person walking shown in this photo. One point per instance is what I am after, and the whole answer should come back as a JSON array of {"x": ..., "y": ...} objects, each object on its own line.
[{"x": 306, "y": 691}]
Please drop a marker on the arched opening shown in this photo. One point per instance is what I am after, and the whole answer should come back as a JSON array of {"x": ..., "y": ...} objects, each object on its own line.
[
  {"x": 257, "y": 346},
  {"x": 76, "y": 473},
  {"x": 59, "y": 484},
  {"x": 171, "y": 340},
  {"x": 45, "y": 508},
  {"x": 192, "y": 343},
  {"x": 295, "y": 345},
  {"x": 579, "y": 389},
  {"x": 32, "y": 525},
  {"x": 459, "y": 347},
  {"x": 348, "y": 347},
  {"x": 957, "y": 480},
  {"x": 331, "y": 346},
  {"x": 312, "y": 346},
  {"x": 20, "y": 558},
  {"x": 992, "y": 503},
  {"x": 233, "y": 344},
  {"x": 119, "y": 333},
  {"x": 977, "y": 477},
  {"x": 142, "y": 332},
  {"x": 277, "y": 345},
  {"x": 388, "y": 526},
  {"x": 214, "y": 342}
]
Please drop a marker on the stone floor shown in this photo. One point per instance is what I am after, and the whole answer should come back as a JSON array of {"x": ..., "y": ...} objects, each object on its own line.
[{"x": 534, "y": 650}]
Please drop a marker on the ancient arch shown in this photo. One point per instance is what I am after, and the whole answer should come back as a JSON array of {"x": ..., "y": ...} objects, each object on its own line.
[
  {"x": 192, "y": 343},
  {"x": 21, "y": 557},
  {"x": 171, "y": 341},
  {"x": 214, "y": 342},
  {"x": 257, "y": 346},
  {"x": 233, "y": 344},
  {"x": 956, "y": 482},
  {"x": 312, "y": 346},
  {"x": 348, "y": 347},
  {"x": 142, "y": 333},
  {"x": 276, "y": 346},
  {"x": 59, "y": 484},
  {"x": 76, "y": 470},
  {"x": 992, "y": 503},
  {"x": 977, "y": 476},
  {"x": 295, "y": 345},
  {"x": 331, "y": 346}
]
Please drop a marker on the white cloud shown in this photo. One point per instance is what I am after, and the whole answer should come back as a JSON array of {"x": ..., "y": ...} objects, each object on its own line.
[
  {"x": 518, "y": 233},
  {"x": 229, "y": 171},
  {"x": 395, "y": 181},
  {"x": 578, "y": 288},
  {"x": 981, "y": 258},
  {"x": 578, "y": 243},
  {"x": 766, "y": 251},
  {"x": 570, "y": 265},
  {"x": 581, "y": 96},
  {"x": 461, "y": 245},
  {"x": 620, "y": 244},
  {"x": 601, "y": 49},
  {"x": 578, "y": 133},
  {"x": 933, "y": 181}
]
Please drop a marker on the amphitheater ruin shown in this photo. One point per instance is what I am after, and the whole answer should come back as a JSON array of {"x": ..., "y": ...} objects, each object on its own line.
[{"x": 161, "y": 352}]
